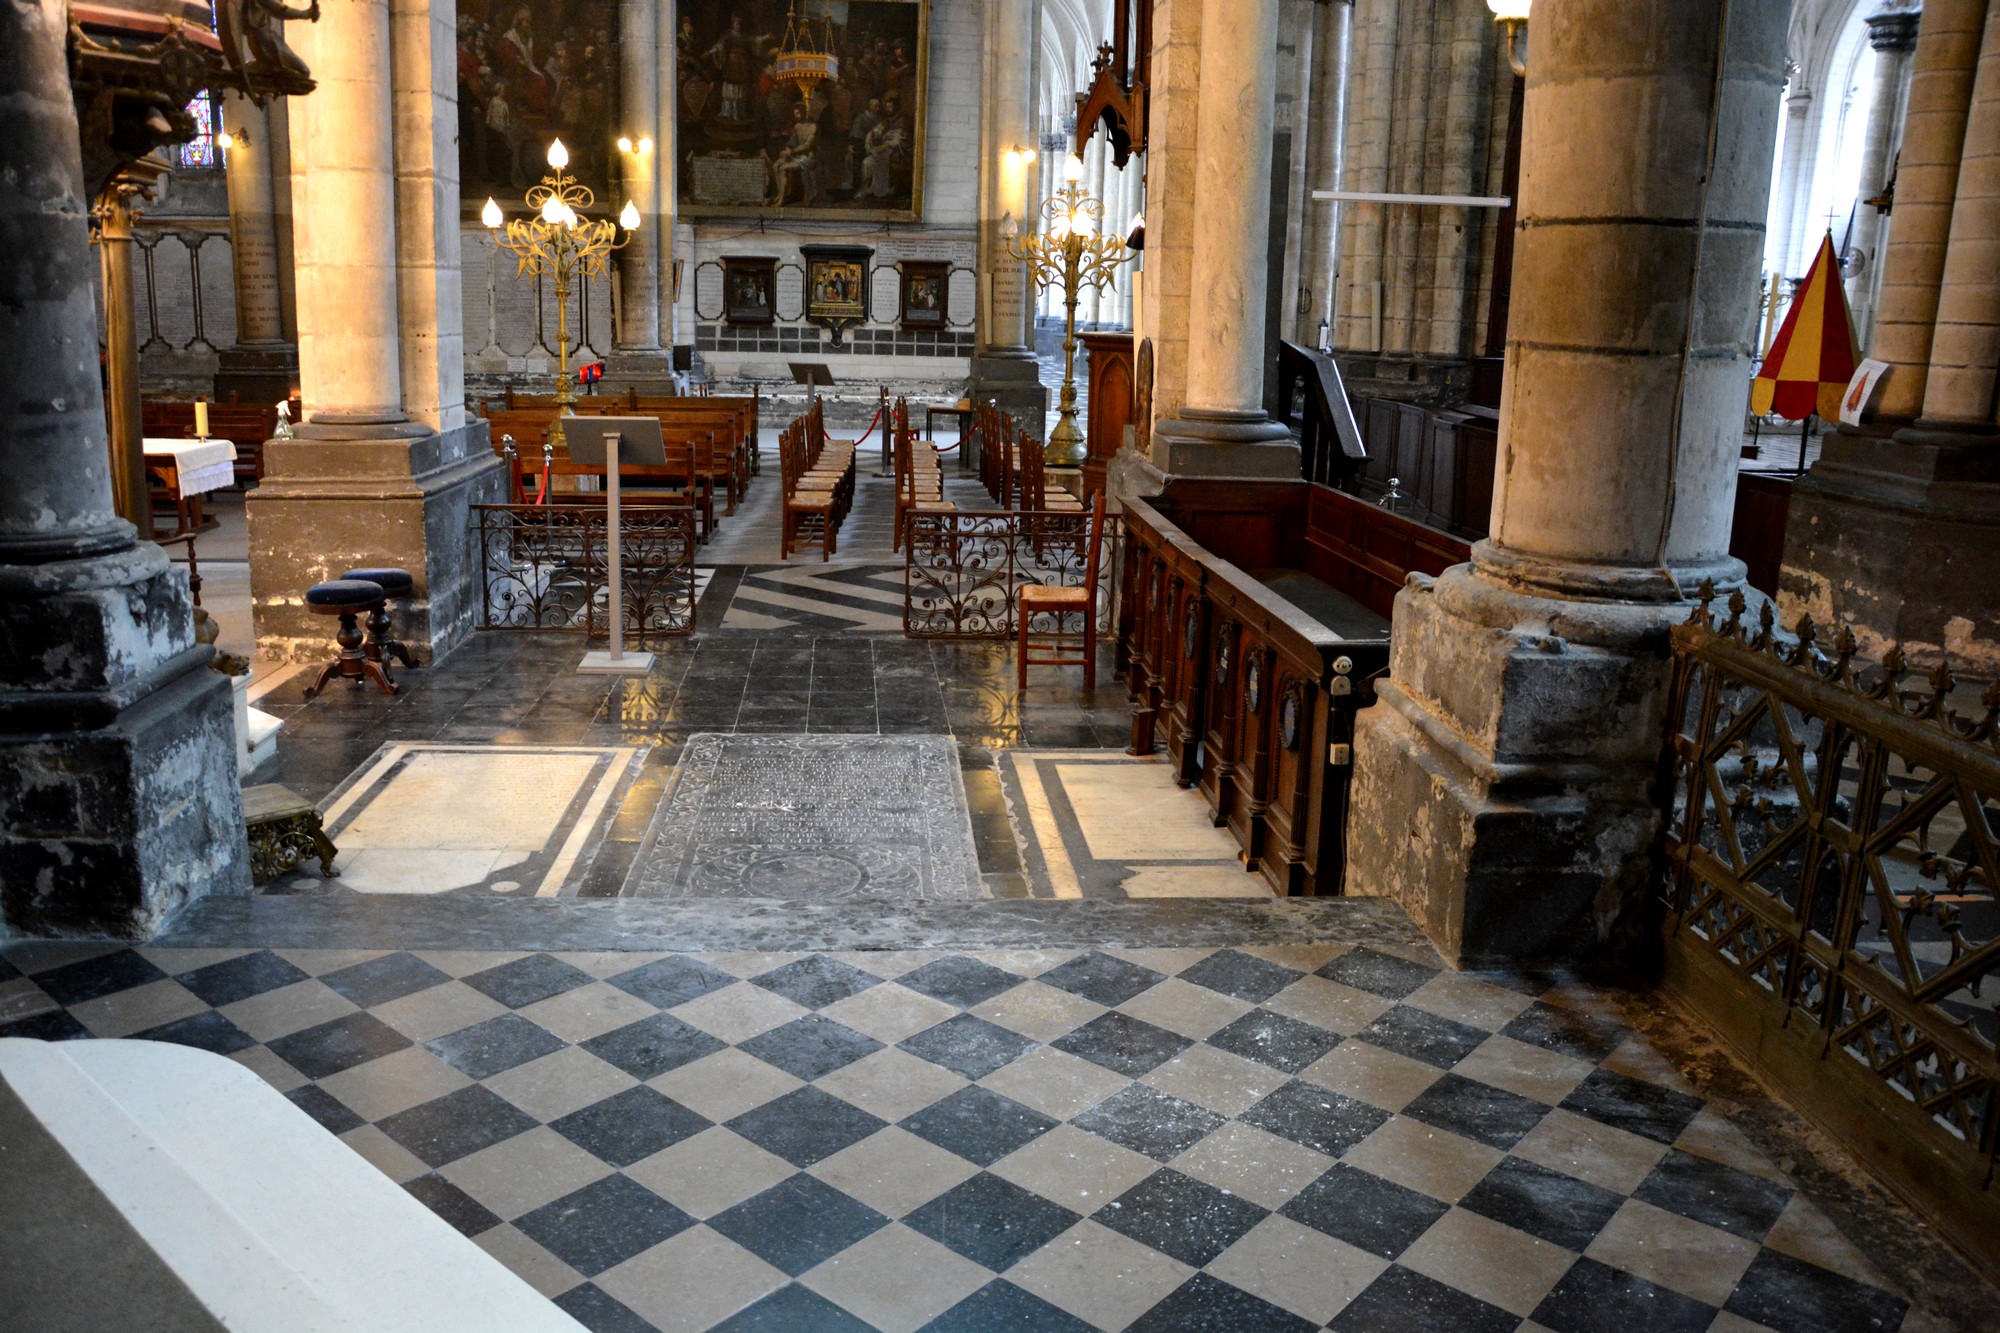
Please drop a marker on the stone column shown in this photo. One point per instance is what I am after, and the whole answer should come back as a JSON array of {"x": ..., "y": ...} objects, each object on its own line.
[
  {"x": 1794, "y": 186},
  {"x": 262, "y": 367},
  {"x": 1365, "y": 166},
  {"x": 1003, "y": 362},
  {"x": 1222, "y": 429},
  {"x": 1333, "y": 26},
  {"x": 120, "y": 803},
  {"x": 637, "y": 358},
  {"x": 384, "y": 469},
  {"x": 1893, "y": 34},
  {"x": 1503, "y": 782},
  {"x": 1895, "y": 531}
]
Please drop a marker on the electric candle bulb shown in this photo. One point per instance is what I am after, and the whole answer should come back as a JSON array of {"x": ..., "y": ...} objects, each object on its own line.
[
  {"x": 552, "y": 211},
  {"x": 225, "y": 140},
  {"x": 1506, "y": 10},
  {"x": 1059, "y": 227},
  {"x": 490, "y": 214},
  {"x": 645, "y": 143},
  {"x": 629, "y": 218},
  {"x": 558, "y": 155},
  {"x": 1073, "y": 168},
  {"x": 624, "y": 143}
]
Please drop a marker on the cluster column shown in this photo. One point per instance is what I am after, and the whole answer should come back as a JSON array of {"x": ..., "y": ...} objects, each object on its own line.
[
  {"x": 1003, "y": 363},
  {"x": 120, "y": 802},
  {"x": 263, "y": 365},
  {"x": 1221, "y": 428},
  {"x": 1893, "y": 35},
  {"x": 638, "y": 360},
  {"x": 1895, "y": 532},
  {"x": 387, "y": 464},
  {"x": 1503, "y": 781}
]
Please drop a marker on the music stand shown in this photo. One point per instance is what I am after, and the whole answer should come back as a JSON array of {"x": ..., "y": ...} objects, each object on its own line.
[
  {"x": 606, "y": 442},
  {"x": 815, "y": 375}
]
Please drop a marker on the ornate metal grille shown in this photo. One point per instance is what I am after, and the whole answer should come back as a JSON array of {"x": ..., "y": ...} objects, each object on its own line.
[
  {"x": 1832, "y": 852},
  {"x": 543, "y": 567},
  {"x": 963, "y": 570}
]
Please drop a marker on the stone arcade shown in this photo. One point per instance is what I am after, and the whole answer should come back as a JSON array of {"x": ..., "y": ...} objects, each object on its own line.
[{"x": 1524, "y": 854}]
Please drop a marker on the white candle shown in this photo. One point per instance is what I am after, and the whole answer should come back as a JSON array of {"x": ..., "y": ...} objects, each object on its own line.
[{"x": 201, "y": 418}]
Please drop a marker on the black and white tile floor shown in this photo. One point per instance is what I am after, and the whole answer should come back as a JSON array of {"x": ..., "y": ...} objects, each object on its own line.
[{"x": 1272, "y": 1138}]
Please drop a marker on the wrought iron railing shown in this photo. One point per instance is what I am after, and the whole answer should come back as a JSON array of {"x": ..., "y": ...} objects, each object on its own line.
[
  {"x": 964, "y": 569},
  {"x": 1832, "y": 862},
  {"x": 543, "y": 567}
]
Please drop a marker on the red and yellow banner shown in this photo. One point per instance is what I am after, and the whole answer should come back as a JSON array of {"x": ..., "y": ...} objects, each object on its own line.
[{"x": 1811, "y": 359}]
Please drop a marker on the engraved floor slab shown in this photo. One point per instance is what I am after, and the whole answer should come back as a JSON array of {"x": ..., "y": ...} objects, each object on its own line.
[
  {"x": 422, "y": 818},
  {"x": 812, "y": 818}
]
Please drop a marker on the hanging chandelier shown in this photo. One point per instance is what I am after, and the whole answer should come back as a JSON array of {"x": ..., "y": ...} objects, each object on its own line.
[{"x": 798, "y": 61}]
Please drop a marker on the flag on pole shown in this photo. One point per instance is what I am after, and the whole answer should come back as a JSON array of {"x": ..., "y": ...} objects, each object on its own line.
[{"x": 1811, "y": 359}]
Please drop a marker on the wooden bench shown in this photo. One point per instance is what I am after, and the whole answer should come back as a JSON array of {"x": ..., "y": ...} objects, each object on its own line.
[{"x": 1253, "y": 623}]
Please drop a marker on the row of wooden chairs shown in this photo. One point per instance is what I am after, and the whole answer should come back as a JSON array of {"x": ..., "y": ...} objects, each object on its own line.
[
  {"x": 919, "y": 475},
  {"x": 1011, "y": 465},
  {"x": 818, "y": 477}
]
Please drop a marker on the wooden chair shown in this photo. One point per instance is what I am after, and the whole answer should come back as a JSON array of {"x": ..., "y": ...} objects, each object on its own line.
[
  {"x": 919, "y": 477},
  {"x": 1059, "y": 604}
]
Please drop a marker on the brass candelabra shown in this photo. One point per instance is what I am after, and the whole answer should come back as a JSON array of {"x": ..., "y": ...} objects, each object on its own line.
[
  {"x": 557, "y": 241},
  {"x": 1071, "y": 248}
]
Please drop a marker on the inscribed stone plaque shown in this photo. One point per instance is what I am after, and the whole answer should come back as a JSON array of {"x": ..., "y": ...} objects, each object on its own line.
[{"x": 812, "y": 818}]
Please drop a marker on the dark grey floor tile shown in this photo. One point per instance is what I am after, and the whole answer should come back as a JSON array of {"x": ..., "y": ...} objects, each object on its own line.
[
  {"x": 968, "y": 1046},
  {"x": 1317, "y": 1117},
  {"x": 1241, "y": 975},
  {"x": 94, "y": 978},
  {"x": 991, "y": 1221},
  {"x": 1423, "y": 1036},
  {"x": 1002, "y": 1307},
  {"x": 1364, "y": 1210},
  {"x": 1100, "y": 977},
  {"x": 332, "y": 1114},
  {"x": 817, "y": 981},
  {"x": 488, "y": 1048},
  {"x": 240, "y": 978},
  {"x": 208, "y": 1031},
  {"x": 1149, "y": 1121},
  {"x": 629, "y": 1126},
  {"x": 526, "y": 980},
  {"x": 793, "y": 1309},
  {"x": 810, "y": 1047},
  {"x": 1275, "y": 1040},
  {"x": 1180, "y": 1216},
  {"x": 1642, "y": 1108},
  {"x": 455, "y": 1125},
  {"x": 466, "y": 1214},
  {"x": 1123, "y": 1044},
  {"x": 1529, "y": 1197},
  {"x": 959, "y": 980},
  {"x": 806, "y": 1126},
  {"x": 1492, "y": 1116},
  {"x": 979, "y": 1125},
  {"x": 1209, "y": 1303},
  {"x": 1567, "y": 1032},
  {"x": 1378, "y": 973},
  {"x": 342, "y": 1043},
  {"x": 590, "y": 1306},
  {"x": 1594, "y": 1296},
  {"x": 56, "y": 1025},
  {"x": 1736, "y": 1201},
  {"x": 1402, "y": 1301},
  {"x": 673, "y": 981},
  {"x": 1794, "y": 1296},
  {"x": 652, "y": 1046},
  {"x": 603, "y": 1224},
  {"x": 798, "y": 1223},
  {"x": 380, "y": 980}
]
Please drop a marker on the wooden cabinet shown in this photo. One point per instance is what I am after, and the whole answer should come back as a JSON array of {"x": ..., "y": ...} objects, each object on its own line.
[{"x": 1108, "y": 363}]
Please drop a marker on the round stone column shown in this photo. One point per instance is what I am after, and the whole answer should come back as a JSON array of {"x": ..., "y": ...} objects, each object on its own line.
[
  {"x": 1222, "y": 428},
  {"x": 1003, "y": 360},
  {"x": 262, "y": 366},
  {"x": 1926, "y": 185},
  {"x": 1965, "y": 344},
  {"x": 1503, "y": 786},
  {"x": 666, "y": 171},
  {"x": 344, "y": 220},
  {"x": 1894, "y": 37},
  {"x": 639, "y": 262}
]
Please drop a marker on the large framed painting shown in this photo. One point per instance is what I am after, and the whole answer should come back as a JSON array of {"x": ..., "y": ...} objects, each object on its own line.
[
  {"x": 802, "y": 108},
  {"x": 529, "y": 73}
]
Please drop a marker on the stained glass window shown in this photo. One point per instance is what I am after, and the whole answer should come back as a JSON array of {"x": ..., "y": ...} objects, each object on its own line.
[{"x": 200, "y": 150}]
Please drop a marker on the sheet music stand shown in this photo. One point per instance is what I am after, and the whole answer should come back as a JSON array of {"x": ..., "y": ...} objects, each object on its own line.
[
  {"x": 606, "y": 442},
  {"x": 815, "y": 375}
]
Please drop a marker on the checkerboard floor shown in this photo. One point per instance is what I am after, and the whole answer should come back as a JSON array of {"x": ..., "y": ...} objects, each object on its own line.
[{"x": 1270, "y": 1138}]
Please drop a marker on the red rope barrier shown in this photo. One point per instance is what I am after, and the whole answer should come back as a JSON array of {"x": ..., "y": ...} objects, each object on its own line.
[{"x": 871, "y": 428}]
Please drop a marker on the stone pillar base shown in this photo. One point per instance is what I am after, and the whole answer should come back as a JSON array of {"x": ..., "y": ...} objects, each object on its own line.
[
  {"x": 120, "y": 802},
  {"x": 257, "y": 372},
  {"x": 1012, "y": 380},
  {"x": 1219, "y": 444},
  {"x": 1899, "y": 538},
  {"x": 1503, "y": 783},
  {"x": 649, "y": 370},
  {"x": 344, "y": 495}
]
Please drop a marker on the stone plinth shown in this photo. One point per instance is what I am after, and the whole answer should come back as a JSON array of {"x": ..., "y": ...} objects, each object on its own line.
[{"x": 339, "y": 497}]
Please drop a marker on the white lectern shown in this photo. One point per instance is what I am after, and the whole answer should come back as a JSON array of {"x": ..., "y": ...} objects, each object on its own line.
[{"x": 609, "y": 441}]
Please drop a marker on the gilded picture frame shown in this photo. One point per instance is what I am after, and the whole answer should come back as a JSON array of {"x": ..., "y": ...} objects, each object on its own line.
[{"x": 752, "y": 141}]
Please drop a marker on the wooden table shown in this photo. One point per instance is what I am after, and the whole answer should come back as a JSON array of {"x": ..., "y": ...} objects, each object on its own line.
[
  {"x": 962, "y": 410},
  {"x": 186, "y": 470}
]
